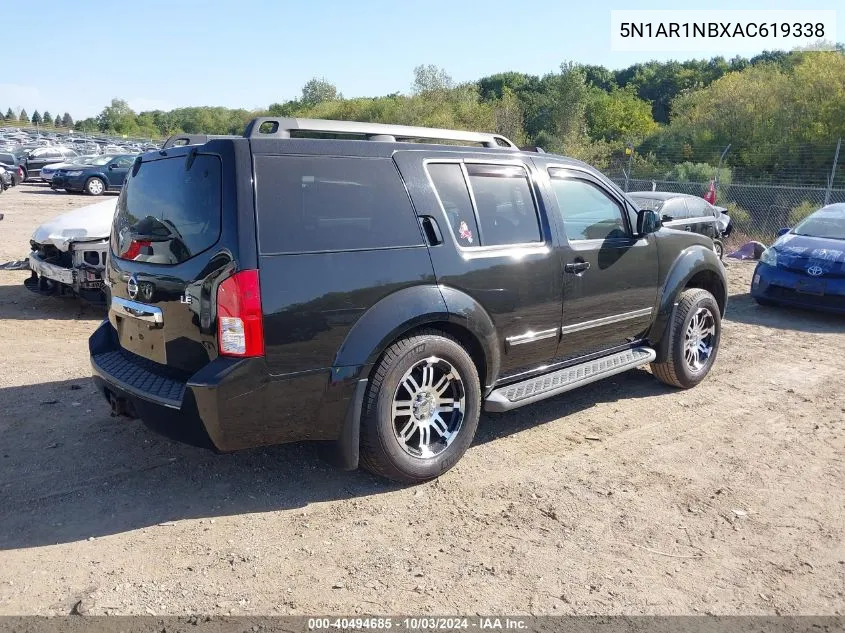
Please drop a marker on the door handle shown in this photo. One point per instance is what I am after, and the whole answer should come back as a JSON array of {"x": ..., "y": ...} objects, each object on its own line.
[
  {"x": 687, "y": 228},
  {"x": 576, "y": 267},
  {"x": 431, "y": 229}
]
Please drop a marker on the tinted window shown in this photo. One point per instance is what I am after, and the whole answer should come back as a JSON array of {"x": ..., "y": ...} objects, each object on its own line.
[
  {"x": 9, "y": 159},
  {"x": 167, "y": 213},
  {"x": 505, "y": 206},
  {"x": 588, "y": 212},
  {"x": 451, "y": 188},
  {"x": 318, "y": 203},
  {"x": 124, "y": 161}
]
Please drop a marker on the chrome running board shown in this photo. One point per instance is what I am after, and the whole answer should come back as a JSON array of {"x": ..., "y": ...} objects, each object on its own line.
[{"x": 548, "y": 385}]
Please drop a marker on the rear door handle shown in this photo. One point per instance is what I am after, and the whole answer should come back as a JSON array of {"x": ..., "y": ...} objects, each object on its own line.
[
  {"x": 431, "y": 229},
  {"x": 576, "y": 267},
  {"x": 687, "y": 228}
]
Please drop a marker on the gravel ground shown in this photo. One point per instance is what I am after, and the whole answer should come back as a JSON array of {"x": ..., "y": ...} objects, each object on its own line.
[{"x": 622, "y": 497}]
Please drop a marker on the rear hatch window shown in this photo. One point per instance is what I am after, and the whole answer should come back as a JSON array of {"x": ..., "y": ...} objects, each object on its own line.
[{"x": 169, "y": 211}]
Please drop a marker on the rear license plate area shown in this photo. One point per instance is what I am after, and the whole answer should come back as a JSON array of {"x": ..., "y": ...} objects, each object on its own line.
[
  {"x": 138, "y": 337},
  {"x": 810, "y": 286}
]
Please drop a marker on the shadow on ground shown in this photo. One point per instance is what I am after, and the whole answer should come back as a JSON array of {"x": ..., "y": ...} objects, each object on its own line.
[
  {"x": 18, "y": 303},
  {"x": 69, "y": 471},
  {"x": 743, "y": 309}
]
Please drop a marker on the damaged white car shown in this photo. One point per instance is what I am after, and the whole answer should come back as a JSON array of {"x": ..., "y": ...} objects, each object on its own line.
[{"x": 69, "y": 253}]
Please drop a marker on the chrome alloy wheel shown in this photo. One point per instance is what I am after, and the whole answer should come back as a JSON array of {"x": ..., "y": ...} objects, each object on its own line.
[
  {"x": 699, "y": 337},
  {"x": 428, "y": 407}
]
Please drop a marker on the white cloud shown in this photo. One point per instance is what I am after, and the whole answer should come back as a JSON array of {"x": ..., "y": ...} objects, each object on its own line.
[{"x": 17, "y": 96}]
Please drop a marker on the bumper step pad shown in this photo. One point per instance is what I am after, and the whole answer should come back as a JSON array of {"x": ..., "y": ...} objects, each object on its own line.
[{"x": 137, "y": 376}]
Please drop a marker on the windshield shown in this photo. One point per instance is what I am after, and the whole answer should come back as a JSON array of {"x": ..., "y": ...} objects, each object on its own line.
[
  {"x": 649, "y": 204},
  {"x": 822, "y": 223},
  {"x": 99, "y": 160}
]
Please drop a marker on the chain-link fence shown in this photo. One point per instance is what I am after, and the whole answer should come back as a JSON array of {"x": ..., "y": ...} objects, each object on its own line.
[
  {"x": 757, "y": 211},
  {"x": 782, "y": 190}
]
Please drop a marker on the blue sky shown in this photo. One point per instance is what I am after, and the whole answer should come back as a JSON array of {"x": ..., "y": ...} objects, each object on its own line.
[{"x": 249, "y": 53}]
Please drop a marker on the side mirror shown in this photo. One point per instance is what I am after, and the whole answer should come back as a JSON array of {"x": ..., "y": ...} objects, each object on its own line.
[
  {"x": 112, "y": 165},
  {"x": 783, "y": 231},
  {"x": 647, "y": 222}
]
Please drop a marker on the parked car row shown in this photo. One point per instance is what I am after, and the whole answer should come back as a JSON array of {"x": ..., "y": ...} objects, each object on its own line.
[{"x": 25, "y": 138}]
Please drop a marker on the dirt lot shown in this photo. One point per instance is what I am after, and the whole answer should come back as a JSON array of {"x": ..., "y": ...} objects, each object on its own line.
[{"x": 623, "y": 497}]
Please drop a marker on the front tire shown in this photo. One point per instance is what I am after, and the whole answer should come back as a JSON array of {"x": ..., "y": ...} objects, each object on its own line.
[
  {"x": 94, "y": 186},
  {"x": 421, "y": 410},
  {"x": 695, "y": 332}
]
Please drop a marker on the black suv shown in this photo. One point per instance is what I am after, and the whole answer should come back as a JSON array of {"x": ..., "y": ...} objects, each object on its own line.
[{"x": 379, "y": 293}]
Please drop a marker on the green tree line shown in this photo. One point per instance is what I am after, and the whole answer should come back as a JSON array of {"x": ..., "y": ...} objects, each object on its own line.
[{"x": 777, "y": 110}]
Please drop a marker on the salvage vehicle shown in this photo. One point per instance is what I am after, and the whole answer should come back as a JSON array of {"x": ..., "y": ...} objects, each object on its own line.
[
  {"x": 31, "y": 161},
  {"x": 378, "y": 293},
  {"x": 48, "y": 171},
  {"x": 5, "y": 179},
  {"x": 684, "y": 212},
  {"x": 101, "y": 174},
  {"x": 9, "y": 162},
  {"x": 805, "y": 266},
  {"x": 69, "y": 252}
]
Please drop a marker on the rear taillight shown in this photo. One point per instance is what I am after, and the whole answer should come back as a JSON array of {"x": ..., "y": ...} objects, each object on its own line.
[
  {"x": 20, "y": 173},
  {"x": 240, "y": 325},
  {"x": 135, "y": 247}
]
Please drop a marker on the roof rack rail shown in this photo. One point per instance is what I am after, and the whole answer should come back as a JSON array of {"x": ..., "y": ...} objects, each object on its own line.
[
  {"x": 177, "y": 140},
  {"x": 532, "y": 148},
  {"x": 272, "y": 127}
]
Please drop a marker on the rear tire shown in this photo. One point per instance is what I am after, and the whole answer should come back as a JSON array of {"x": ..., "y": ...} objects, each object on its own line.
[
  {"x": 696, "y": 328},
  {"x": 94, "y": 186},
  {"x": 421, "y": 409},
  {"x": 719, "y": 248}
]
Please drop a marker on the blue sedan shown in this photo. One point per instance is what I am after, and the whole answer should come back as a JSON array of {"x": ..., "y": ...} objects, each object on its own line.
[
  {"x": 101, "y": 174},
  {"x": 805, "y": 267}
]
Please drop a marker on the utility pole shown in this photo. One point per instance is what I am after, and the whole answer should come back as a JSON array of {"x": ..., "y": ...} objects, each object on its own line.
[{"x": 832, "y": 173}]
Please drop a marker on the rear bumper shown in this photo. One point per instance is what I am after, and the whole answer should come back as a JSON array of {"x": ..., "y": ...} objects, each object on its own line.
[
  {"x": 778, "y": 285},
  {"x": 232, "y": 402}
]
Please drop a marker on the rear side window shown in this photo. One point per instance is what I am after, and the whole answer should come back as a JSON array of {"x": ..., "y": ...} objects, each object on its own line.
[
  {"x": 319, "y": 203},
  {"x": 505, "y": 207},
  {"x": 451, "y": 187},
  {"x": 167, "y": 212}
]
